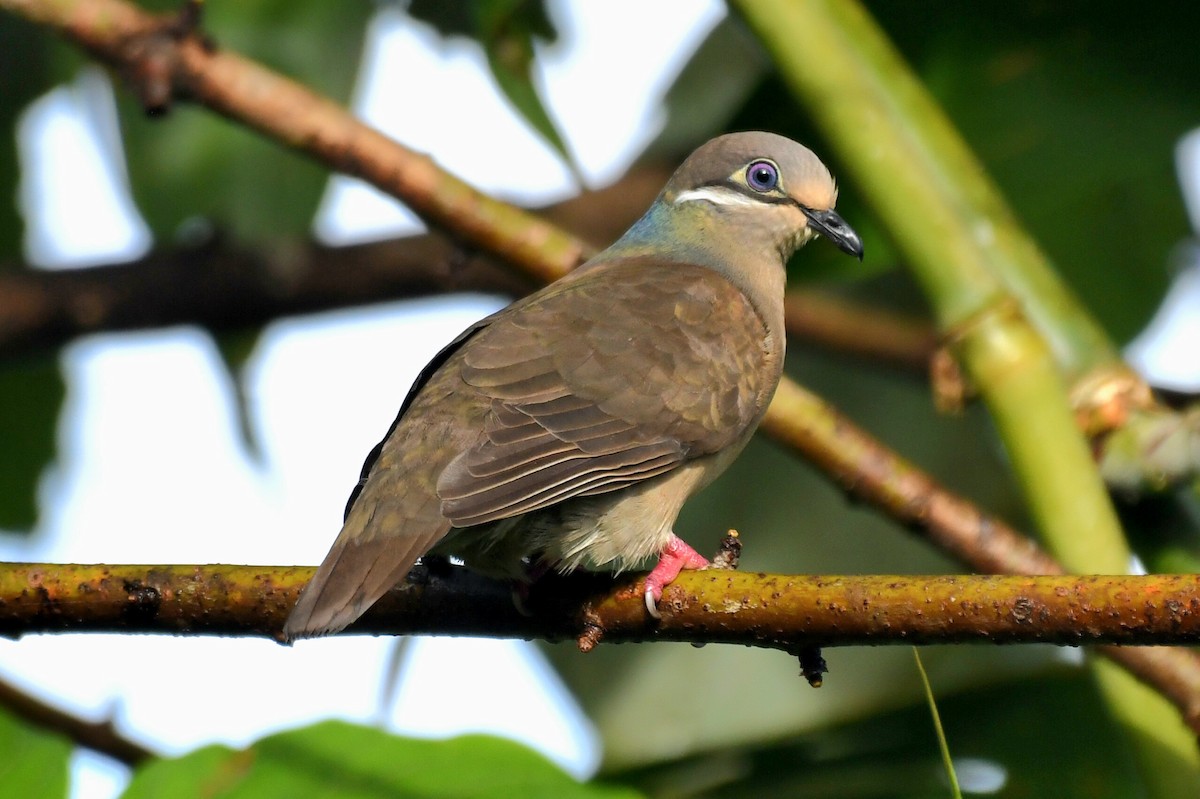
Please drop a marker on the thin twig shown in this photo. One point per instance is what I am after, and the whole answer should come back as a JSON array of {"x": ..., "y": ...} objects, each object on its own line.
[{"x": 99, "y": 736}]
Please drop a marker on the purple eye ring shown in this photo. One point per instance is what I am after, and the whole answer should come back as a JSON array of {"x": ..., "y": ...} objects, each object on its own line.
[{"x": 762, "y": 176}]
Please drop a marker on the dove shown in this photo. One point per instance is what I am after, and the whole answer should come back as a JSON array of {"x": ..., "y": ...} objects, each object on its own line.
[{"x": 567, "y": 430}]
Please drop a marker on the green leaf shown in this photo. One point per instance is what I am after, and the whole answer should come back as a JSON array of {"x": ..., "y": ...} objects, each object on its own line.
[
  {"x": 23, "y": 76},
  {"x": 506, "y": 29},
  {"x": 34, "y": 762},
  {"x": 192, "y": 163},
  {"x": 32, "y": 392},
  {"x": 348, "y": 761},
  {"x": 1077, "y": 120},
  {"x": 236, "y": 348}
]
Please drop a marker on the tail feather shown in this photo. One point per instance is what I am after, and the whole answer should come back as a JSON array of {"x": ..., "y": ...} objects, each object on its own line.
[{"x": 354, "y": 575}]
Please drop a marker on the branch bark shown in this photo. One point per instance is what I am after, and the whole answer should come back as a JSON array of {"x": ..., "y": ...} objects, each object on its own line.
[{"x": 713, "y": 606}]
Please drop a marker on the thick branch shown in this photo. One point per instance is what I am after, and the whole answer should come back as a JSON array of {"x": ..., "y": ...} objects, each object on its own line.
[
  {"x": 873, "y": 473},
  {"x": 774, "y": 611}
]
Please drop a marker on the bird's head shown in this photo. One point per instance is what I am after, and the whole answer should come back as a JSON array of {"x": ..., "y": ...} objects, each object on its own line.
[{"x": 761, "y": 185}]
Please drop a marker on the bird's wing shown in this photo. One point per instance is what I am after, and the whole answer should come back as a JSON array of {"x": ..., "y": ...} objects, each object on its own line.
[
  {"x": 422, "y": 379},
  {"x": 617, "y": 377},
  {"x": 609, "y": 377}
]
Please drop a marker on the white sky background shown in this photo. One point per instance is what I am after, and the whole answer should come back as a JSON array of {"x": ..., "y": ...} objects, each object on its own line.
[{"x": 151, "y": 468}]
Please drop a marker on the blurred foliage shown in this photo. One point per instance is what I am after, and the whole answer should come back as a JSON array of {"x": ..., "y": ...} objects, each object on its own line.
[
  {"x": 236, "y": 350},
  {"x": 1002, "y": 743},
  {"x": 352, "y": 762},
  {"x": 1165, "y": 530},
  {"x": 31, "y": 394},
  {"x": 507, "y": 30},
  {"x": 192, "y": 163},
  {"x": 30, "y": 65},
  {"x": 1075, "y": 119},
  {"x": 34, "y": 761},
  {"x": 22, "y": 78}
]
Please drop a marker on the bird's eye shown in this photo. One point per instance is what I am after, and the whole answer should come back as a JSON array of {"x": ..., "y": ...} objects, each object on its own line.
[{"x": 762, "y": 176}]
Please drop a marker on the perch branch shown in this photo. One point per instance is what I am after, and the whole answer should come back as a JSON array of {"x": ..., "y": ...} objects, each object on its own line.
[{"x": 716, "y": 605}]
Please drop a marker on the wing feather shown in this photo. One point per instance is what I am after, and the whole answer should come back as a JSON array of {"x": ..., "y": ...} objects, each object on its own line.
[{"x": 618, "y": 377}]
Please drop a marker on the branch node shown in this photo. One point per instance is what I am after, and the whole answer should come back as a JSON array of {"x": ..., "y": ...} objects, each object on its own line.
[
  {"x": 1106, "y": 397},
  {"x": 151, "y": 57},
  {"x": 593, "y": 631},
  {"x": 812, "y": 665},
  {"x": 950, "y": 386},
  {"x": 729, "y": 552},
  {"x": 142, "y": 601}
]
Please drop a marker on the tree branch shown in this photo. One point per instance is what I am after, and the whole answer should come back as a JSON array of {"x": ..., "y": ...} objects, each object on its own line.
[
  {"x": 99, "y": 736},
  {"x": 222, "y": 286},
  {"x": 712, "y": 606},
  {"x": 875, "y": 333},
  {"x": 149, "y": 52}
]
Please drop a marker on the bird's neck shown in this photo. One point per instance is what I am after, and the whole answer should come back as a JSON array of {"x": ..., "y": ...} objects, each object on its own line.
[{"x": 750, "y": 257}]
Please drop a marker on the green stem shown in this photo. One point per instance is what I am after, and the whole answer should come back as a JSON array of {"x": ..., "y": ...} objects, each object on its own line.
[
  {"x": 943, "y": 745},
  {"x": 992, "y": 291},
  {"x": 856, "y": 83}
]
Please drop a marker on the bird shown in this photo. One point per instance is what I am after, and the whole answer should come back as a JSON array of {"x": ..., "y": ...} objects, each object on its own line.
[{"x": 568, "y": 429}]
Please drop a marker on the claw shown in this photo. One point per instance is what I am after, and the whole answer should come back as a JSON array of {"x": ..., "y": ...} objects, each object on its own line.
[
  {"x": 652, "y": 604},
  {"x": 675, "y": 557}
]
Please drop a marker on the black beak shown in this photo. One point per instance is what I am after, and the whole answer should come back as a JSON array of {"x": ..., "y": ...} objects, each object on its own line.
[{"x": 834, "y": 228}]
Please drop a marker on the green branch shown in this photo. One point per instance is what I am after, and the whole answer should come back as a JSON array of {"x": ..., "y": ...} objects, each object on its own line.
[{"x": 995, "y": 297}]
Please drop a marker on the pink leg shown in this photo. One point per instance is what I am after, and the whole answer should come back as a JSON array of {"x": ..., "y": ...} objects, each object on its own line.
[{"x": 675, "y": 557}]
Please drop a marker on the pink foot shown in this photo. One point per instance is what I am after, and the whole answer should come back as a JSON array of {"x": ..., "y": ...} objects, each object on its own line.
[{"x": 675, "y": 557}]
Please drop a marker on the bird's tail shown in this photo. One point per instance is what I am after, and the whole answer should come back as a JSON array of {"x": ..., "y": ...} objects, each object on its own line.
[{"x": 357, "y": 571}]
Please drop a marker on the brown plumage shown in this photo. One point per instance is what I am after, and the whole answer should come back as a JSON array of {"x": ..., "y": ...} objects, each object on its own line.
[{"x": 570, "y": 427}]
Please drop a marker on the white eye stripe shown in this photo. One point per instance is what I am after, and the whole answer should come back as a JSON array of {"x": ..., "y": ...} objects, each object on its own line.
[{"x": 717, "y": 195}]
